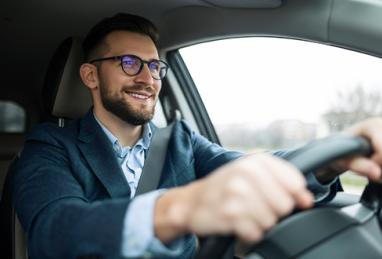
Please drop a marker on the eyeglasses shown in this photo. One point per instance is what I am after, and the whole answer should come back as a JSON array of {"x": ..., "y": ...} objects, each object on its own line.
[{"x": 132, "y": 65}]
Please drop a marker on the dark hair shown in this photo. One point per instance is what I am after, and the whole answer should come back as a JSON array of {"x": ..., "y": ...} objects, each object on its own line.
[{"x": 118, "y": 22}]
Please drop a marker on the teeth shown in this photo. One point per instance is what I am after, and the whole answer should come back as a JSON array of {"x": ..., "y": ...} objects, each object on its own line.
[{"x": 139, "y": 96}]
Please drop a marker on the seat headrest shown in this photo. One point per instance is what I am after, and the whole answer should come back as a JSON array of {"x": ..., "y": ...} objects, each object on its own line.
[{"x": 64, "y": 94}]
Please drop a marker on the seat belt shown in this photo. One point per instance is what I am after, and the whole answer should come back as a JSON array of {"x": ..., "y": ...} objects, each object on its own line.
[
  {"x": 154, "y": 162},
  {"x": 153, "y": 167}
]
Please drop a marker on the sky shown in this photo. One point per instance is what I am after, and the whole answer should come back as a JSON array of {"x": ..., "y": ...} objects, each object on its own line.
[{"x": 258, "y": 80}]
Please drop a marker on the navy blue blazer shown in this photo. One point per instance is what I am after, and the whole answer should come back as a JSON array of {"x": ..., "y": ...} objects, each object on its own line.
[{"x": 71, "y": 195}]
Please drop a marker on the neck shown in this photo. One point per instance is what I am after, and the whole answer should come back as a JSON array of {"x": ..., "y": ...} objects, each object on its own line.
[{"x": 126, "y": 133}]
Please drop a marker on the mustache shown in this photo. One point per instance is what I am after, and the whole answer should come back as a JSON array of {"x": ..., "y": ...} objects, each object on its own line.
[{"x": 139, "y": 87}]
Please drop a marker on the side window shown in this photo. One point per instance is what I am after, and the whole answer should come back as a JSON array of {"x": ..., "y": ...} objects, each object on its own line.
[
  {"x": 12, "y": 117},
  {"x": 271, "y": 93}
]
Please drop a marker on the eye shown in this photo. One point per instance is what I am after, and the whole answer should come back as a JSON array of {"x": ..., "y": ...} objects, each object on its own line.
[
  {"x": 154, "y": 65},
  {"x": 129, "y": 61}
]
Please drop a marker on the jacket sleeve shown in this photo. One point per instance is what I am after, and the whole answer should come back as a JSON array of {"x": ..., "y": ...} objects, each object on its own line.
[
  {"x": 207, "y": 155},
  {"x": 59, "y": 220}
]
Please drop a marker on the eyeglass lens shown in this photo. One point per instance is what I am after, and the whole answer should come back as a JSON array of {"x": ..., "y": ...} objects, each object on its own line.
[{"x": 133, "y": 65}]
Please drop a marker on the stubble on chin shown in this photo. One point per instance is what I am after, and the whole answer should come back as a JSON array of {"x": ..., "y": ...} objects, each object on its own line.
[
  {"x": 127, "y": 112},
  {"x": 120, "y": 107}
]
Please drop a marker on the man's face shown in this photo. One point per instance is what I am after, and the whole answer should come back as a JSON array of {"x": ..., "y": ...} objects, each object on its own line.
[{"x": 130, "y": 98}]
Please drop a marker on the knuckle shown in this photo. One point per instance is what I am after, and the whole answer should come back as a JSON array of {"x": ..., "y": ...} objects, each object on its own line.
[
  {"x": 297, "y": 185},
  {"x": 249, "y": 234},
  {"x": 230, "y": 212},
  {"x": 235, "y": 187},
  {"x": 269, "y": 222},
  {"x": 285, "y": 207}
]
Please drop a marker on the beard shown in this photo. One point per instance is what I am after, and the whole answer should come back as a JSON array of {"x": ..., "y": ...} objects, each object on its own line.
[{"x": 118, "y": 106}]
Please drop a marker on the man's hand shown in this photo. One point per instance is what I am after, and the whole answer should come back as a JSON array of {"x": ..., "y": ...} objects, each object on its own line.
[
  {"x": 245, "y": 198},
  {"x": 370, "y": 167}
]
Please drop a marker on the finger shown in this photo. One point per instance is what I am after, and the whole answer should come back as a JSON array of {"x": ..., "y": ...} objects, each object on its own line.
[
  {"x": 271, "y": 190},
  {"x": 248, "y": 231},
  {"x": 246, "y": 203},
  {"x": 262, "y": 212},
  {"x": 293, "y": 182},
  {"x": 366, "y": 167},
  {"x": 303, "y": 198},
  {"x": 279, "y": 200},
  {"x": 377, "y": 158},
  {"x": 376, "y": 141},
  {"x": 371, "y": 130}
]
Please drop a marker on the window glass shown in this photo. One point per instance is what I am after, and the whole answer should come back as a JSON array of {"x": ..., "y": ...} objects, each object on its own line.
[
  {"x": 12, "y": 117},
  {"x": 272, "y": 93}
]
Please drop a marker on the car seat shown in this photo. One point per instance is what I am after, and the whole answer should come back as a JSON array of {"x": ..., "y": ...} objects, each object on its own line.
[{"x": 64, "y": 98}]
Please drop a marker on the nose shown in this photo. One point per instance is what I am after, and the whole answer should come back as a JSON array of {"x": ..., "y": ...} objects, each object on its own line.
[{"x": 145, "y": 76}]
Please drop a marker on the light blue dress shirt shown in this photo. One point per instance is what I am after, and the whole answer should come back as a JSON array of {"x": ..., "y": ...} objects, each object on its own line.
[{"x": 138, "y": 239}]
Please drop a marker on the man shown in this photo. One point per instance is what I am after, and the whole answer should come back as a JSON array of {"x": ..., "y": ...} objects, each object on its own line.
[{"x": 74, "y": 187}]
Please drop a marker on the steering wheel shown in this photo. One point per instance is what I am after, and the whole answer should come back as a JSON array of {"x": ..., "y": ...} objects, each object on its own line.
[{"x": 349, "y": 232}]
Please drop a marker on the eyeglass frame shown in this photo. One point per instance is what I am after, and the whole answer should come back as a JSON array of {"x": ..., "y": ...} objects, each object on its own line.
[{"x": 143, "y": 62}]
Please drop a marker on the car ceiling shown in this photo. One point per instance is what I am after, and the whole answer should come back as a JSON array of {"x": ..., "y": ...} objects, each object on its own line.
[{"x": 31, "y": 30}]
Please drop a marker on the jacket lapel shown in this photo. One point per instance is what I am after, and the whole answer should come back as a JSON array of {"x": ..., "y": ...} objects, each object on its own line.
[{"x": 98, "y": 152}]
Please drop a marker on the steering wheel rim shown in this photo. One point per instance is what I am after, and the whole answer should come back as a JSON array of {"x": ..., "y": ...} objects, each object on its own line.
[{"x": 316, "y": 154}]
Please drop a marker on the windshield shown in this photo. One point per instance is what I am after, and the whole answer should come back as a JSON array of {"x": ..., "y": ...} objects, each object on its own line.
[{"x": 272, "y": 93}]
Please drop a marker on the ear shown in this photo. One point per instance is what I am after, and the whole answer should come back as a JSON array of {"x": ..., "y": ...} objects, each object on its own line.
[{"x": 89, "y": 75}]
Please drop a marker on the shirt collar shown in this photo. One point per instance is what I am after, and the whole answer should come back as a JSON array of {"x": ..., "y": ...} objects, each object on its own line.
[{"x": 144, "y": 141}]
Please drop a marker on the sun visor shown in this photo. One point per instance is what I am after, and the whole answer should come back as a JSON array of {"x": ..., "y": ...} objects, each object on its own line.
[{"x": 246, "y": 3}]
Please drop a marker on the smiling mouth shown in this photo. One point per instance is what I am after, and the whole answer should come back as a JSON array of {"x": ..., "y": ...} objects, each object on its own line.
[{"x": 139, "y": 96}]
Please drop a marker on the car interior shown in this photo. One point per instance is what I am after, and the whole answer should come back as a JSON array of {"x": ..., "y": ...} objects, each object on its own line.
[{"x": 41, "y": 53}]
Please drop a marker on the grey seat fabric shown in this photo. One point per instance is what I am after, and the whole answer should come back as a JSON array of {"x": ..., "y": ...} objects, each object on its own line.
[
  {"x": 11, "y": 144},
  {"x": 20, "y": 247},
  {"x": 13, "y": 239},
  {"x": 64, "y": 94}
]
